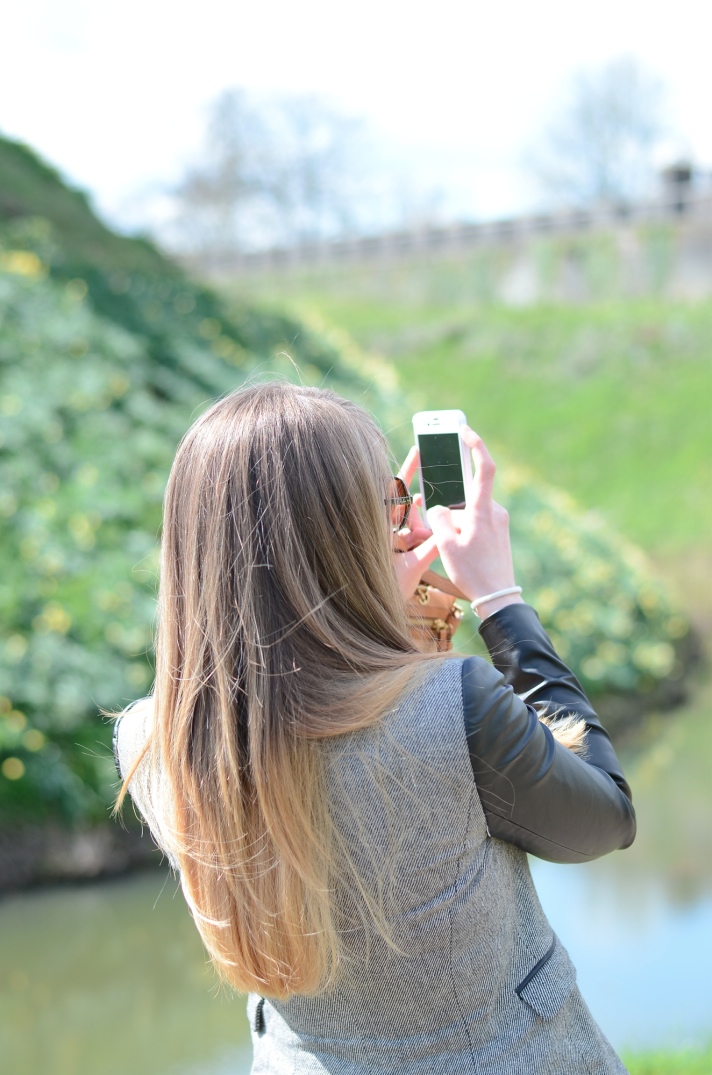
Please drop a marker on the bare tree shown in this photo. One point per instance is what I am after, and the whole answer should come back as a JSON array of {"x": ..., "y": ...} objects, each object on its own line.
[
  {"x": 600, "y": 147},
  {"x": 220, "y": 198},
  {"x": 274, "y": 169},
  {"x": 318, "y": 181}
]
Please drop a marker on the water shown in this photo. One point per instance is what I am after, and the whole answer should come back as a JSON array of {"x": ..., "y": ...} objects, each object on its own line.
[
  {"x": 638, "y": 924},
  {"x": 112, "y": 978},
  {"x": 644, "y": 974}
]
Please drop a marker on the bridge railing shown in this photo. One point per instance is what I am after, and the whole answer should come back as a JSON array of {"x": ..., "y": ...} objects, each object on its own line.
[{"x": 694, "y": 208}]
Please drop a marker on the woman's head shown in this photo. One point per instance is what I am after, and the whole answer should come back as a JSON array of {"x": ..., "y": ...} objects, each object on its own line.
[
  {"x": 275, "y": 527},
  {"x": 280, "y": 624}
]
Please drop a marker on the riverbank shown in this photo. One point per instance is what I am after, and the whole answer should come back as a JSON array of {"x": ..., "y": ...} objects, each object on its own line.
[
  {"x": 38, "y": 854},
  {"x": 45, "y": 854},
  {"x": 49, "y": 854}
]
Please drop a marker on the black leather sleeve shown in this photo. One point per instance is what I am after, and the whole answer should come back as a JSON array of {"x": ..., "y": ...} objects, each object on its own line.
[{"x": 535, "y": 793}]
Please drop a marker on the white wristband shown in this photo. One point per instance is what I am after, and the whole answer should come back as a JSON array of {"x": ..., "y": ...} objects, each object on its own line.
[{"x": 474, "y": 605}]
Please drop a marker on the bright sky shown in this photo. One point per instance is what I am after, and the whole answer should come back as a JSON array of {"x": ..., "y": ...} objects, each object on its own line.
[{"x": 115, "y": 94}]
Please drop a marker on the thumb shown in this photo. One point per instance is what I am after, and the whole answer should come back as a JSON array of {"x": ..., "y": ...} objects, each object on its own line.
[{"x": 425, "y": 553}]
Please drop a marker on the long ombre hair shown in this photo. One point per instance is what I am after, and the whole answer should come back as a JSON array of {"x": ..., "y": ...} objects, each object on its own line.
[{"x": 280, "y": 624}]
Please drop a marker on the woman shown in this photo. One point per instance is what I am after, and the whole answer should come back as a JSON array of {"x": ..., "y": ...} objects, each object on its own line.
[{"x": 350, "y": 815}]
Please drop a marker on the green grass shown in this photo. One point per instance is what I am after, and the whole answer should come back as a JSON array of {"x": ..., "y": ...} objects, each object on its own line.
[
  {"x": 610, "y": 401},
  {"x": 687, "y": 1062}
]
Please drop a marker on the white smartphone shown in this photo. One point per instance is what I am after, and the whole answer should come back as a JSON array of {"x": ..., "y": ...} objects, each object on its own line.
[{"x": 445, "y": 460}]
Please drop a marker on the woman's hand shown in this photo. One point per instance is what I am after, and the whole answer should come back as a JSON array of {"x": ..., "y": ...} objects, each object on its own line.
[
  {"x": 415, "y": 547},
  {"x": 474, "y": 543}
]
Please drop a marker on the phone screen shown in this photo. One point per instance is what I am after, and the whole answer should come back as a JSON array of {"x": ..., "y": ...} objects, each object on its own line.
[{"x": 441, "y": 468}]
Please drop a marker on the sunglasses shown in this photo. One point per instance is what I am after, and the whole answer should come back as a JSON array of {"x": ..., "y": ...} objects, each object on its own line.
[{"x": 400, "y": 502}]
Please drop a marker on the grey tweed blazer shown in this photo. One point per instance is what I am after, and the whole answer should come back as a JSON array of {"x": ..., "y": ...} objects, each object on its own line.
[
  {"x": 476, "y": 980},
  {"x": 441, "y": 800}
]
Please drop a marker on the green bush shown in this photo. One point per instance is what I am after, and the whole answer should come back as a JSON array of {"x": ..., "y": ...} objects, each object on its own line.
[
  {"x": 99, "y": 379},
  {"x": 607, "y": 614}
]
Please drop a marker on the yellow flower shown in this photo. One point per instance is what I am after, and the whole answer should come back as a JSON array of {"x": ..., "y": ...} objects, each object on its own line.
[
  {"x": 22, "y": 263},
  {"x": 210, "y": 328},
  {"x": 77, "y": 289},
  {"x": 12, "y": 769},
  {"x": 33, "y": 739},
  {"x": 16, "y": 720},
  {"x": 54, "y": 618}
]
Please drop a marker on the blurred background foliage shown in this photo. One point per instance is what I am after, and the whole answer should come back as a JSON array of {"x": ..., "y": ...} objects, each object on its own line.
[
  {"x": 107, "y": 353},
  {"x": 607, "y": 397}
]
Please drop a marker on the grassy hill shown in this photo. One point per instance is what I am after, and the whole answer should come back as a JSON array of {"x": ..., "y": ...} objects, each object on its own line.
[
  {"x": 610, "y": 401},
  {"x": 29, "y": 186},
  {"x": 107, "y": 353}
]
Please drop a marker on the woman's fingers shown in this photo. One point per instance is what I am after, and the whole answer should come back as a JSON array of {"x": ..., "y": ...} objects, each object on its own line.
[
  {"x": 415, "y": 520},
  {"x": 473, "y": 544},
  {"x": 417, "y": 528},
  {"x": 441, "y": 519},
  {"x": 405, "y": 540},
  {"x": 445, "y": 532},
  {"x": 409, "y": 469},
  {"x": 410, "y": 565},
  {"x": 484, "y": 466}
]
